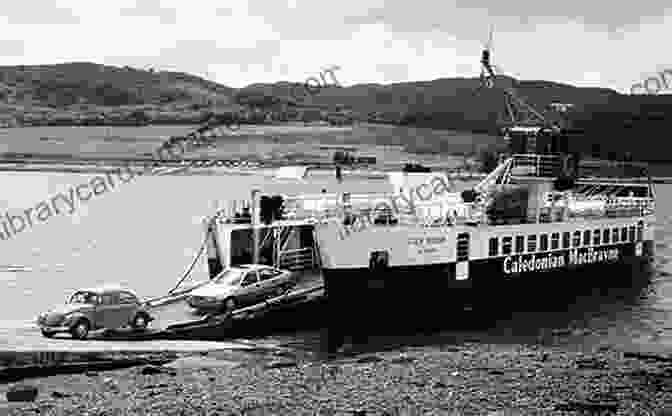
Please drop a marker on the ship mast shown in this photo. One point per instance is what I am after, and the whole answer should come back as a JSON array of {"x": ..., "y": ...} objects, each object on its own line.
[{"x": 520, "y": 113}]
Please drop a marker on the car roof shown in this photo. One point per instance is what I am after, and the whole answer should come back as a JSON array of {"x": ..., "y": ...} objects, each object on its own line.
[{"x": 107, "y": 289}]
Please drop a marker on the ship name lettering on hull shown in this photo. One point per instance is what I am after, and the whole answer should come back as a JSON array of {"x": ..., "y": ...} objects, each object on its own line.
[
  {"x": 575, "y": 257},
  {"x": 419, "y": 241}
]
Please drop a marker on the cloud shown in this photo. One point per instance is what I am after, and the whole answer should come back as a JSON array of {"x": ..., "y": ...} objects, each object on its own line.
[
  {"x": 224, "y": 11},
  {"x": 209, "y": 58},
  {"x": 38, "y": 12},
  {"x": 12, "y": 47},
  {"x": 151, "y": 8},
  {"x": 241, "y": 42}
]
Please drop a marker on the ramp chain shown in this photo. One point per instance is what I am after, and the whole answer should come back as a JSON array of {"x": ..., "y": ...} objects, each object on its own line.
[{"x": 193, "y": 263}]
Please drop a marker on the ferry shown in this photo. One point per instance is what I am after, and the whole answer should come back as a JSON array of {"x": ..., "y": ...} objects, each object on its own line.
[
  {"x": 533, "y": 215},
  {"x": 534, "y": 223},
  {"x": 539, "y": 220}
]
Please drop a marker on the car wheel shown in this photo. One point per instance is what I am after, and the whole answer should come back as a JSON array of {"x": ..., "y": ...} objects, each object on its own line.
[
  {"x": 282, "y": 290},
  {"x": 140, "y": 321},
  {"x": 48, "y": 334},
  {"x": 230, "y": 304},
  {"x": 81, "y": 329}
]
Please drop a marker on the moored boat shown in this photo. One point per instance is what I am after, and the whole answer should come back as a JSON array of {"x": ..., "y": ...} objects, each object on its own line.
[{"x": 542, "y": 220}]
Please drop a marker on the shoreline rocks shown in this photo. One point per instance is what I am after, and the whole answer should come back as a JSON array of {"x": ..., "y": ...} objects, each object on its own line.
[{"x": 463, "y": 379}]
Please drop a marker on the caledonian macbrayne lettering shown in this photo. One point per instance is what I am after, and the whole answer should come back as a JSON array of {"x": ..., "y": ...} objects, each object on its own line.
[{"x": 575, "y": 257}]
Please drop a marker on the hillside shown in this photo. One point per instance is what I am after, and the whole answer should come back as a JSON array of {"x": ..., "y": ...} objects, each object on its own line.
[
  {"x": 443, "y": 96},
  {"x": 605, "y": 123},
  {"x": 88, "y": 86},
  {"x": 611, "y": 122}
]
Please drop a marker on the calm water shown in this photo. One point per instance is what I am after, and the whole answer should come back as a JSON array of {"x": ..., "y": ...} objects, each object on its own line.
[
  {"x": 146, "y": 232},
  {"x": 143, "y": 233}
]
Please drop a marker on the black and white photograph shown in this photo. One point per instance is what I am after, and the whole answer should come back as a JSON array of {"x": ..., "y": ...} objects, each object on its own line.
[{"x": 371, "y": 208}]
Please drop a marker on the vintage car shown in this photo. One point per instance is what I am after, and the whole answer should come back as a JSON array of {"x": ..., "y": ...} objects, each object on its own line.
[
  {"x": 108, "y": 307},
  {"x": 241, "y": 286}
]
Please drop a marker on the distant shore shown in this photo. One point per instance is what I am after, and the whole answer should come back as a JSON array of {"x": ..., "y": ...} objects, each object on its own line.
[
  {"x": 197, "y": 166},
  {"x": 189, "y": 165}
]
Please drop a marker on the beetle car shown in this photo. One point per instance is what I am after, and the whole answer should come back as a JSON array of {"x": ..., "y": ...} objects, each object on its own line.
[
  {"x": 243, "y": 285},
  {"x": 86, "y": 310}
]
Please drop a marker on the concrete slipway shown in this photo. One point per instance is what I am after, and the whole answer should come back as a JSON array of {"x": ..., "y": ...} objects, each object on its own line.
[{"x": 176, "y": 330}]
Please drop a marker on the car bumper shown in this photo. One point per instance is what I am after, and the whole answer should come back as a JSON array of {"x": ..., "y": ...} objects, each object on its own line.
[
  {"x": 204, "y": 304},
  {"x": 47, "y": 328}
]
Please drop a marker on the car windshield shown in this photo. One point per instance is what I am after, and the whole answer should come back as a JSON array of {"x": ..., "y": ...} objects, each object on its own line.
[
  {"x": 83, "y": 297},
  {"x": 229, "y": 277}
]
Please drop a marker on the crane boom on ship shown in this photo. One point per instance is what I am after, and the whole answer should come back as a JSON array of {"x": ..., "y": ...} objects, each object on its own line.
[{"x": 518, "y": 110}]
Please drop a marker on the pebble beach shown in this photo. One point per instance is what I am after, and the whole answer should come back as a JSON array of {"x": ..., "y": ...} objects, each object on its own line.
[{"x": 465, "y": 379}]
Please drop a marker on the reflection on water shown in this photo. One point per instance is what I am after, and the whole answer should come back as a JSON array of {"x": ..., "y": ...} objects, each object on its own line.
[{"x": 145, "y": 233}]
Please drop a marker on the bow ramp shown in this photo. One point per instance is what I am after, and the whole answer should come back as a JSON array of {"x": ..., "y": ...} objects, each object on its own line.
[{"x": 174, "y": 318}]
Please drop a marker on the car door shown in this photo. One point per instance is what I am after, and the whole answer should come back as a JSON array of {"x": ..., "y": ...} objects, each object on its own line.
[
  {"x": 269, "y": 282},
  {"x": 249, "y": 288},
  {"x": 107, "y": 311},
  {"x": 128, "y": 305}
]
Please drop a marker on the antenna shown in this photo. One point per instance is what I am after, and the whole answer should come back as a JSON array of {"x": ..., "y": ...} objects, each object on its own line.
[
  {"x": 487, "y": 69},
  {"x": 518, "y": 111}
]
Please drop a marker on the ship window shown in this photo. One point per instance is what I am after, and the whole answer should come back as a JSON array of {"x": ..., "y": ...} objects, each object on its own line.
[
  {"x": 614, "y": 235},
  {"x": 566, "y": 237},
  {"x": 586, "y": 238},
  {"x": 596, "y": 237},
  {"x": 631, "y": 234},
  {"x": 506, "y": 245},
  {"x": 543, "y": 242},
  {"x": 494, "y": 247},
  {"x": 531, "y": 243},
  {"x": 605, "y": 236},
  {"x": 555, "y": 241},
  {"x": 640, "y": 231},
  {"x": 624, "y": 234},
  {"x": 576, "y": 240},
  {"x": 520, "y": 244}
]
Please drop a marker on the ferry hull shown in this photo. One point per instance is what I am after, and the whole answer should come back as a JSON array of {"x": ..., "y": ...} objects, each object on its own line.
[{"x": 362, "y": 301}]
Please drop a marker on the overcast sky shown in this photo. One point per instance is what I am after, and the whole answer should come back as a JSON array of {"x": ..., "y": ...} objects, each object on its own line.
[{"x": 600, "y": 43}]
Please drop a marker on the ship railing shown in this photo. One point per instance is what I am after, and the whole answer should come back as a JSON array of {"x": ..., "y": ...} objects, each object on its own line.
[
  {"x": 600, "y": 207},
  {"x": 630, "y": 206},
  {"x": 297, "y": 259},
  {"x": 539, "y": 165},
  {"x": 320, "y": 205},
  {"x": 498, "y": 175},
  {"x": 598, "y": 168},
  {"x": 428, "y": 215}
]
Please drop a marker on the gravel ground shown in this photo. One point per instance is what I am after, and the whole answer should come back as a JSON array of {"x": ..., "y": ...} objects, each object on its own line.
[{"x": 466, "y": 379}]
